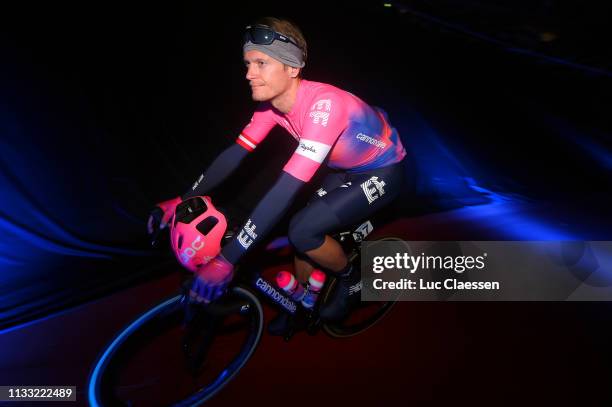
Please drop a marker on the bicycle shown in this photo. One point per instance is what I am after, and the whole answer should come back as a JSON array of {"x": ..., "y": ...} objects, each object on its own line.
[{"x": 217, "y": 340}]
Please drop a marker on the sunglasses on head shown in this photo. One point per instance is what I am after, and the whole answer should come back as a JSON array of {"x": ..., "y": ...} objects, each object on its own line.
[{"x": 264, "y": 35}]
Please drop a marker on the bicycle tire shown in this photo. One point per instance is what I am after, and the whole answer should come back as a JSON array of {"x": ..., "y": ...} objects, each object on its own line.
[
  {"x": 96, "y": 393},
  {"x": 339, "y": 329}
]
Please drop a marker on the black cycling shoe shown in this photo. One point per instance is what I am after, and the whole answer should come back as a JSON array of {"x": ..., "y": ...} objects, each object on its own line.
[
  {"x": 280, "y": 324},
  {"x": 347, "y": 294}
]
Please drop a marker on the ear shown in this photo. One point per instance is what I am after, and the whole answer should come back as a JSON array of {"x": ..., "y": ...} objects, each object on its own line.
[{"x": 293, "y": 72}]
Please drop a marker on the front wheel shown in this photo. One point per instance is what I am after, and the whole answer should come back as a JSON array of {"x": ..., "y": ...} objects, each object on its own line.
[
  {"x": 156, "y": 361},
  {"x": 366, "y": 314}
]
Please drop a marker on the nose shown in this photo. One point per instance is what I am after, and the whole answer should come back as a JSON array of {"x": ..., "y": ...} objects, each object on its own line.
[{"x": 251, "y": 72}]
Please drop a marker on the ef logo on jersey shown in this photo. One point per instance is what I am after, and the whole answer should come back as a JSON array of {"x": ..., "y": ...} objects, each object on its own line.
[
  {"x": 373, "y": 189},
  {"x": 247, "y": 234},
  {"x": 320, "y": 112}
]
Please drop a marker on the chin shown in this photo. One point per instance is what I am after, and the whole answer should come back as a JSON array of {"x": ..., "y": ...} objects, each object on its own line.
[{"x": 259, "y": 98}]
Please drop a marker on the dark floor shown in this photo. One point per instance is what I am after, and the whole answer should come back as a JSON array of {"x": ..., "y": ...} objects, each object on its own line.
[{"x": 428, "y": 353}]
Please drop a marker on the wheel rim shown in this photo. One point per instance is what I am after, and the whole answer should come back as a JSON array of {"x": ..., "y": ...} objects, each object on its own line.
[
  {"x": 357, "y": 323},
  {"x": 117, "y": 372}
]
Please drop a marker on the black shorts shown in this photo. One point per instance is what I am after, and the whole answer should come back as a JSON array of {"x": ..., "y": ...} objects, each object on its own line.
[{"x": 343, "y": 200}]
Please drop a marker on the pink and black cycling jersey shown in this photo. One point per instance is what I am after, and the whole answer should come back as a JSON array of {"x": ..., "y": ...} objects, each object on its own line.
[{"x": 329, "y": 123}]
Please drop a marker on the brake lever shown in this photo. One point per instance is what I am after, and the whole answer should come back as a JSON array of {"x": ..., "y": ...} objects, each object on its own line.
[
  {"x": 154, "y": 238},
  {"x": 155, "y": 219}
]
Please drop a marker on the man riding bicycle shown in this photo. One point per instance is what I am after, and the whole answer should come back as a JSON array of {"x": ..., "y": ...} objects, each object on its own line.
[{"x": 331, "y": 125}]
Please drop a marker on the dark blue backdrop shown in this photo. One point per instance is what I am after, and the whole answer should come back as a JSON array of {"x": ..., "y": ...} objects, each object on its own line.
[{"x": 108, "y": 108}]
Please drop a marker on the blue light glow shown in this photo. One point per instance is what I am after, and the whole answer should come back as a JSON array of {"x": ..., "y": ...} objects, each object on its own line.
[{"x": 104, "y": 359}]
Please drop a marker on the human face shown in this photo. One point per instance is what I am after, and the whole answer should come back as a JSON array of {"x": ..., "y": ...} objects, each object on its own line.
[{"x": 268, "y": 77}]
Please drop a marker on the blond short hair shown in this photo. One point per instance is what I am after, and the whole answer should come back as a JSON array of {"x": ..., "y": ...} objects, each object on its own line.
[{"x": 288, "y": 28}]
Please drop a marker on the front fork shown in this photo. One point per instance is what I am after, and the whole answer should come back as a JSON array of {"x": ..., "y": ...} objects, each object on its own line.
[{"x": 201, "y": 323}]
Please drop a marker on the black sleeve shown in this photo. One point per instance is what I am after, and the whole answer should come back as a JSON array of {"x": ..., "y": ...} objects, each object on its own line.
[
  {"x": 225, "y": 164},
  {"x": 267, "y": 213}
]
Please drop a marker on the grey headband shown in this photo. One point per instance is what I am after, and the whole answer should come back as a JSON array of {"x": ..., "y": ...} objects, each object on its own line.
[{"x": 285, "y": 52}]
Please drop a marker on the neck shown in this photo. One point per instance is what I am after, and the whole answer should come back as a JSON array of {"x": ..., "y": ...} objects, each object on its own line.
[{"x": 285, "y": 101}]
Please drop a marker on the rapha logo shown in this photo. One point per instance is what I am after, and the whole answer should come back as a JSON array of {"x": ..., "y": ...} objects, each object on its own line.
[
  {"x": 191, "y": 251},
  {"x": 373, "y": 189},
  {"x": 310, "y": 148},
  {"x": 320, "y": 112},
  {"x": 321, "y": 192},
  {"x": 247, "y": 234}
]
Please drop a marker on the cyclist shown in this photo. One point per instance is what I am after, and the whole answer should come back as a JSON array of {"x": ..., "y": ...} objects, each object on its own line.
[{"x": 331, "y": 125}]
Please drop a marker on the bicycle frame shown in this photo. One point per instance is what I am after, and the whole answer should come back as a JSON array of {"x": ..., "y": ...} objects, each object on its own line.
[
  {"x": 350, "y": 240},
  {"x": 206, "y": 320},
  {"x": 274, "y": 295}
]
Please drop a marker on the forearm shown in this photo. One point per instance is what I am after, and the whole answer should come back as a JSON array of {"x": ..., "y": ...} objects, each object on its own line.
[
  {"x": 265, "y": 215},
  {"x": 221, "y": 168}
]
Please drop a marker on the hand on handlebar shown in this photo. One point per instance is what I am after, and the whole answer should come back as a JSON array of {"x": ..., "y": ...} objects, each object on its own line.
[
  {"x": 160, "y": 216},
  {"x": 212, "y": 280}
]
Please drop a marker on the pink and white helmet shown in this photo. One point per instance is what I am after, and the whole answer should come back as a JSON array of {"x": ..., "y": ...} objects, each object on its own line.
[{"x": 196, "y": 231}]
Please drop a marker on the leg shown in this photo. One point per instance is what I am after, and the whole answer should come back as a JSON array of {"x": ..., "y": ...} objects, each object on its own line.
[
  {"x": 343, "y": 207},
  {"x": 329, "y": 255},
  {"x": 303, "y": 265}
]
